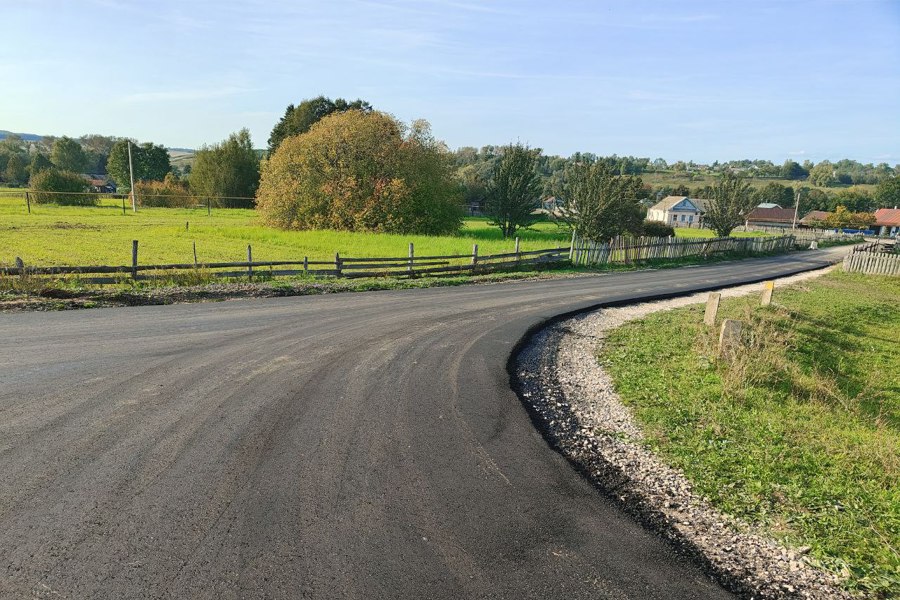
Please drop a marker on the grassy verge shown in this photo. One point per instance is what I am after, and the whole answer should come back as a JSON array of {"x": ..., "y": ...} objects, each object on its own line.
[{"x": 801, "y": 432}]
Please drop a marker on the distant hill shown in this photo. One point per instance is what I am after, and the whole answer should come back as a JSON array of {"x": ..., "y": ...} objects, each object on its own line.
[{"x": 28, "y": 137}]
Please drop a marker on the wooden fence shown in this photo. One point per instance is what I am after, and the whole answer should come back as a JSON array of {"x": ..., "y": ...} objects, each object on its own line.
[
  {"x": 403, "y": 266},
  {"x": 805, "y": 234},
  {"x": 641, "y": 249},
  {"x": 872, "y": 263}
]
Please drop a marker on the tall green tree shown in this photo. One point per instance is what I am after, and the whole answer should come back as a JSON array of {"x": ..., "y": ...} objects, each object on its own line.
[
  {"x": 68, "y": 155},
  {"x": 887, "y": 194},
  {"x": 61, "y": 187},
  {"x": 228, "y": 171},
  {"x": 151, "y": 163},
  {"x": 514, "y": 190},
  {"x": 39, "y": 162},
  {"x": 299, "y": 119},
  {"x": 792, "y": 170},
  {"x": 601, "y": 205},
  {"x": 15, "y": 173},
  {"x": 783, "y": 195},
  {"x": 730, "y": 204}
]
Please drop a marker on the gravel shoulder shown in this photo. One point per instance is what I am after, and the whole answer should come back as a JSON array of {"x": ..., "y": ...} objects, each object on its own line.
[{"x": 573, "y": 401}]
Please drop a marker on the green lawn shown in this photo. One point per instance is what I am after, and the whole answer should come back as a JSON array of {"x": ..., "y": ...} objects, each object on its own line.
[
  {"x": 56, "y": 235},
  {"x": 801, "y": 433}
]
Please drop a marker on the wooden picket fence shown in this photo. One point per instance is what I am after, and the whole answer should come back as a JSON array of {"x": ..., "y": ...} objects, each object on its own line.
[
  {"x": 872, "y": 263},
  {"x": 350, "y": 267},
  {"x": 806, "y": 234},
  {"x": 641, "y": 249}
]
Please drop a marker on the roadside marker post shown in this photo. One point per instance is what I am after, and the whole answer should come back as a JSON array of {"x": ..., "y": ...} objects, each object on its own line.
[
  {"x": 730, "y": 337},
  {"x": 768, "y": 288},
  {"x": 712, "y": 309}
]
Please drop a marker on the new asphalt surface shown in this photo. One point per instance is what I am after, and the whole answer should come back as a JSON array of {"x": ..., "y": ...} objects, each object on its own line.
[{"x": 363, "y": 445}]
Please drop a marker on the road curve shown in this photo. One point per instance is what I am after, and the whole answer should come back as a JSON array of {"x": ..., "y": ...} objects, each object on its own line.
[{"x": 361, "y": 445}]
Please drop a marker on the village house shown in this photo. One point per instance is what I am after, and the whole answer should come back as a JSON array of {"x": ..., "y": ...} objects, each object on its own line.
[
  {"x": 678, "y": 211},
  {"x": 770, "y": 217},
  {"x": 814, "y": 218},
  {"x": 887, "y": 221}
]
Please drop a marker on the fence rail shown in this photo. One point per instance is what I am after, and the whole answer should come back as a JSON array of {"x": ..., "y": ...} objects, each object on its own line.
[
  {"x": 872, "y": 263},
  {"x": 642, "y": 249},
  {"x": 350, "y": 267}
]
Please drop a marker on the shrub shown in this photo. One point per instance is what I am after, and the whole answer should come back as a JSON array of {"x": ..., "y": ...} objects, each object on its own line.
[
  {"x": 61, "y": 187},
  {"x": 169, "y": 193},
  {"x": 657, "y": 229},
  {"x": 361, "y": 171}
]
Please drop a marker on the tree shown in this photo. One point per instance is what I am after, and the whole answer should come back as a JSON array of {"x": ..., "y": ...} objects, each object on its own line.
[
  {"x": 61, "y": 187},
  {"x": 300, "y": 119},
  {"x": 792, "y": 170},
  {"x": 601, "y": 205},
  {"x": 783, "y": 195},
  {"x": 151, "y": 163},
  {"x": 823, "y": 174},
  {"x": 68, "y": 155},
  {"x": 229, "y": 171},
  {"x": 729, "y": 205},
  {"x": 15, "y": 173},
  {"x": 170, "y": 192},
  {"x": 39, "y": 162},
  {"x": 513, "y": 190},
  {"x": 843, "y": 218},
  {"x": 887, "y": 194},
  {"x": 361, "y": 171}
]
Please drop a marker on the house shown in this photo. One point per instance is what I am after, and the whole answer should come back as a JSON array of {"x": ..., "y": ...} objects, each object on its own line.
[
  {"x": 677, "y": 211},
  {"x": 887, "y": 221},
  {"x": 814, "y": 217},
  {"x": 770, "y": 217}
]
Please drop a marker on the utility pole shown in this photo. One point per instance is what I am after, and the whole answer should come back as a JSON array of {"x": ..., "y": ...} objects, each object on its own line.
[
  {"x": 131, "y": 175},
  {"x": 796, "y": 210}
]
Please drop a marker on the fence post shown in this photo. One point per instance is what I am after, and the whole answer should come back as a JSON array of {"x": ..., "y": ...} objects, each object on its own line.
[
  {"x": 134, "y": 256},
  {"x": 195, "y": 254},
  {"x": 208, "y": 209},
  {"x": 337, "y": 263},
  {"x": 517, "y": 251},
  {"x": 20, "y": 264},
  {"x": 409, "y": 269},
  {"x": 305, "y": 264},
  {"x": 123, "y": 206},
  {"x": 249, "y": 262},
  {"x": 474, "y": 256},
  {"x": 28, "y": 201}
]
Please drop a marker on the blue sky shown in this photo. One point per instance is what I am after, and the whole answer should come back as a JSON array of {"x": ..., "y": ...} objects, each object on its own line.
[{"x": 677, "y": 79}]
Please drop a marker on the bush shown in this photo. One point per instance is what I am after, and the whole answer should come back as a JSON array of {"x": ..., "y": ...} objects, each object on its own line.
[
  {"x": 70, "y": 188},
  {"x": 657, "y": 229},
  {"x": 169, "y": 193},
  {"x": 361, "y": 171}
]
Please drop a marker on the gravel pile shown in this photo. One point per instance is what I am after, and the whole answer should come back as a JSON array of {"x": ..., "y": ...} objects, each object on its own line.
[{"x": 573, "y": 401}]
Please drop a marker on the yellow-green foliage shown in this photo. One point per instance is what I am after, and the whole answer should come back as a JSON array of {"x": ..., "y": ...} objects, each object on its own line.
[
  {"x": 170, "y": 193},
  {"x": 360, "y": 171}
]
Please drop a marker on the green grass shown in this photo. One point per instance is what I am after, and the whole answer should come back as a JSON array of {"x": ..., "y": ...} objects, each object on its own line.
[
  {"x": 60, "y": 235},
  {"x": 57, "y": 235},
  {"x": 801, "y": 432}
]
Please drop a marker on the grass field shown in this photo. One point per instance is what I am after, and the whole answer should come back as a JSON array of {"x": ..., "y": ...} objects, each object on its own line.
[
  {"x": 800, "y": 433},
  {"x": 58, "y": 235}
]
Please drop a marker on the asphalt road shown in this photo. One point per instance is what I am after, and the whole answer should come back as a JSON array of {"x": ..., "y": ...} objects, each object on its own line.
[{"x": 361, "y": 445}]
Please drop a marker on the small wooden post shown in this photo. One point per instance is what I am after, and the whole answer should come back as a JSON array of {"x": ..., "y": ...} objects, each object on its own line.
[
  {"x": 712, "y": 309},
  {"x": 474, "y": 256},
  {"x": 517, "y": 251},
  {"x": 20, "y": 264},
  {"x": 187, "y": 225},
  {"x": 729, "y": 336},
  {"x": 208, "y": 209},
  {"x": 409, "y": 269},
  {"x": 337, "y": 263},
  {"x": 249, "y": 262},
  {"x": 134, "y": 258},
  {"x": 768, "y": 288},
  {"x": 195, "y": 254},
  {"x": 305, "y": 264},
  {"x": 123, "y": 206},
  {"x": 28, "y": 201}
]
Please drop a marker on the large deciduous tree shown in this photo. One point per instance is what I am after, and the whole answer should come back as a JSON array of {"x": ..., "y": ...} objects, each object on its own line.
[
  {"x": 601, "y": 205},
  {"x": 15, "y": 173},
  {"x": 887, "y": 194},
  {"x": 361, "y": 171},
  {"x": 227, "y": 172},
  {"x": 299, "y": 119},
  {"x": 729, "y": 205},
  {"x": 61, "y": 187},
  {"x": 150, "y": 161},
  {"x": 514, "y": 190},
  {"x": 68, "y": 155}
]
